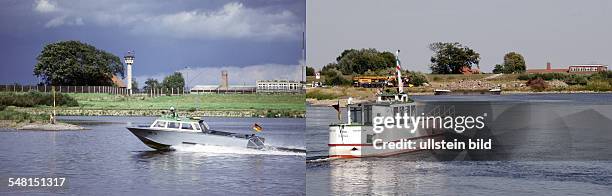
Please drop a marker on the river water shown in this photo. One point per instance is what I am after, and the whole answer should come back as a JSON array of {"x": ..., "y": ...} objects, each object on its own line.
[
  {"x": 108, "y": 160},
  {"x": 531, "y": 171}
]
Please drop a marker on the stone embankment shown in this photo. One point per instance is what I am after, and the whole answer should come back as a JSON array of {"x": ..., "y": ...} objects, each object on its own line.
[{"x": 145, "y": 112}]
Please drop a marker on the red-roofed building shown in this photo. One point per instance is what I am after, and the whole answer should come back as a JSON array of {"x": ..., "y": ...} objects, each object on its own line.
[
  {"x": 118, "y": 82},
  {"x": 465, "y": 70},
  {"x": 548, "y": 69}
]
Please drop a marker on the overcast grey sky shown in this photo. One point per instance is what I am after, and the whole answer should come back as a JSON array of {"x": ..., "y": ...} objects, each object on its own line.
[{"x": 562, "y": 32}]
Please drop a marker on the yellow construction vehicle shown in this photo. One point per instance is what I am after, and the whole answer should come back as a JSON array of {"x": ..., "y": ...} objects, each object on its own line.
[{"x": 370, "y": 81}]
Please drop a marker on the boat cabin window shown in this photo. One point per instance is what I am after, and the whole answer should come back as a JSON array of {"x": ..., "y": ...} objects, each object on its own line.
[
  {"x": 355, "y": 114},
  {"x": 186, "y": 126},
  {"x": 197, "y": 127},
  {"x": 160, "y": 124},
  {"x": 173, "y": 125},
  {"x": 367, "y": 115}
]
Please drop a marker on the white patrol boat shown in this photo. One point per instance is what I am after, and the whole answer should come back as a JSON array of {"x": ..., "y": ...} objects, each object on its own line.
[{"x": 171, "y": 130}]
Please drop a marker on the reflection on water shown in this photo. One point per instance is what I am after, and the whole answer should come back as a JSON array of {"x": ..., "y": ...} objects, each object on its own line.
[
  {"x": 388, "y": 177},
  {"x": 570, "y": 118},
  {"x": 109, "y": 160}
]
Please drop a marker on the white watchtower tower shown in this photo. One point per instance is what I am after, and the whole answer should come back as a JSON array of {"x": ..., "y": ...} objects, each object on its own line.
[{"x": 129, "y": 60}]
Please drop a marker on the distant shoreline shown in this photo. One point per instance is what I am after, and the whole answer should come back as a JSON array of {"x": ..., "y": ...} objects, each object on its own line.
[
  {"x": 343, "y": 101},
  {"x": 524, "y": 92}
]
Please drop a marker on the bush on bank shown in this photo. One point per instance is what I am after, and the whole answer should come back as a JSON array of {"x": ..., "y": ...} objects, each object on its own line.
[
  {"x": 599, "y": 85},
  {"x": 7, "y": 113},
  {"x": 31, "y": 99},
  {"x": 320, "y": 95},
  {"x": 600, "y": 81},
  {"x": 417, "y": 78}
]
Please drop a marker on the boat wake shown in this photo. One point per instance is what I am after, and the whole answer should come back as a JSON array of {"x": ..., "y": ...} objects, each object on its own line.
[
  {"x": 319, "y": 159},
  {"x": 223, "y": 150}
]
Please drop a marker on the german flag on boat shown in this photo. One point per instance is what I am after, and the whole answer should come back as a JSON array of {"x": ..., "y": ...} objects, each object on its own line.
[{"x": 257, "y": 127}]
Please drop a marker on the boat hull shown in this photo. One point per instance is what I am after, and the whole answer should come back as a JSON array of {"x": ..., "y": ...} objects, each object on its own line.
[
  {"x": 164, "y": 139},
  {"x": 348, "y": 141}
]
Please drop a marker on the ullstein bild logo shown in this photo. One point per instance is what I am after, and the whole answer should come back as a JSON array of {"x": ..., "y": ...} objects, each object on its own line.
[{"x": 458, "y": 123}]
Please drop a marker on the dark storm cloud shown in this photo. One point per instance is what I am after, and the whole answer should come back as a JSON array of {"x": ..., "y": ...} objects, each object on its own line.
[{"x": 166, "y": 35}]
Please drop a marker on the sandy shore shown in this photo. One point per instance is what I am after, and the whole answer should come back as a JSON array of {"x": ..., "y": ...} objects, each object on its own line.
[{"x": 38, "y": 126}]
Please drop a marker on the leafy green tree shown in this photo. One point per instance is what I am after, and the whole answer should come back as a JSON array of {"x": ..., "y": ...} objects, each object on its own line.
[
  {"x": 77, "y": 64},
  {"x": 360, "y": 61},
  {"x": 448, "y": 58},
  {"x": 576, "y": 79},
  {"x": 151, "y": 84},
  {"x": 329, "y": 67},
  {"x": 344, "y": 53},
  {"x": 134, "y": 85},
  {"x": 514, "y": 63},
  {"x": 334, "y": 77},
  {"x": 310, "y": 71},
  {"x": 175, "y": 81},
  {"x": 416, "y": 78},
  {"x": 498, "y": 69}
]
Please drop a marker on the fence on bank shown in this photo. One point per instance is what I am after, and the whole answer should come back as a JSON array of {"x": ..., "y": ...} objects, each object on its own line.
[{"x": 92, "y": 89}]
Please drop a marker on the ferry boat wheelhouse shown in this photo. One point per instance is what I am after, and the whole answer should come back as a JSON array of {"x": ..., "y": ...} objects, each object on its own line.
[{"x": 355, "y": 138}]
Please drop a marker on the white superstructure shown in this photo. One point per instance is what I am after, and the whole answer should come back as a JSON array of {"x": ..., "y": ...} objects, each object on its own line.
[{"x": 356, "y": 137}]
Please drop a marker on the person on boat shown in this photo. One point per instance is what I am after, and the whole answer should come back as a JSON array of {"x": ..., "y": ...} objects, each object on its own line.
[{"x": 172, "y": 112}]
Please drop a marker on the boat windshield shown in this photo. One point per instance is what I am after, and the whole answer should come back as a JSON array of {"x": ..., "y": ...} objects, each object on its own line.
[
  {"x": 355, "y": 115},
  {"x": 173, "y": 125},
  {"x": 160, "y": 124},
  {"x": 186, "y": 126}
]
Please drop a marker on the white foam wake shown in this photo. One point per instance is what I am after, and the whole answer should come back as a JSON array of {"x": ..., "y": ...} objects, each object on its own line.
[{"x": 221, "y": 150}]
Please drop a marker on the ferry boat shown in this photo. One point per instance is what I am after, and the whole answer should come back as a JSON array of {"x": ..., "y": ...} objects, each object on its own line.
[
  {"x": 355, "y": 138},
  {"x": 171, "y": 130}
]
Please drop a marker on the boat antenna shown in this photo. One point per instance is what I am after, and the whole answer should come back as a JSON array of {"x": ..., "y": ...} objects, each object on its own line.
[{"x": 398, "y": 67}]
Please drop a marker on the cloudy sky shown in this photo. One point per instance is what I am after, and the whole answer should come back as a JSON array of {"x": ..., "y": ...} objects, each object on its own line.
[
  {"x": 560, "y": 31},
  {"x": 251, "y": 39}
]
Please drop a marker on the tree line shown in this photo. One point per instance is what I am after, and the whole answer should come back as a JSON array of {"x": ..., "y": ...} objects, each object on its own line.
[
  {"x": 447, "y": 58},
  {"x": 174, "y": 81}
]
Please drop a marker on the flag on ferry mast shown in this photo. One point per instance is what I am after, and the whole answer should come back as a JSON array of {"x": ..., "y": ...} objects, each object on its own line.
[
  {"x": 257, "y": 128},
  {"x": 337, "y": 107}
]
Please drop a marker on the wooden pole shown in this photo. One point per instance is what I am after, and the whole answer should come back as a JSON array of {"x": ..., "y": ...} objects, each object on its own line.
[{"x": 52, "y": 119}]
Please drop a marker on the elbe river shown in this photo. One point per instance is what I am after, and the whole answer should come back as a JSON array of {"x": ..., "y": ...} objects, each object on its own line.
[{"x": 109, "y": 160}]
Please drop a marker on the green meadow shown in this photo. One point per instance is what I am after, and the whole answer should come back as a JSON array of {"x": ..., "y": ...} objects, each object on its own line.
[{"x": 294, "y": 102}]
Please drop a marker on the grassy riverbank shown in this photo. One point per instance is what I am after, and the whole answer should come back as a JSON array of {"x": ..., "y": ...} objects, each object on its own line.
[
  {"x": 8, "y": 113},
  {"x": 230, "y": 105}
]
